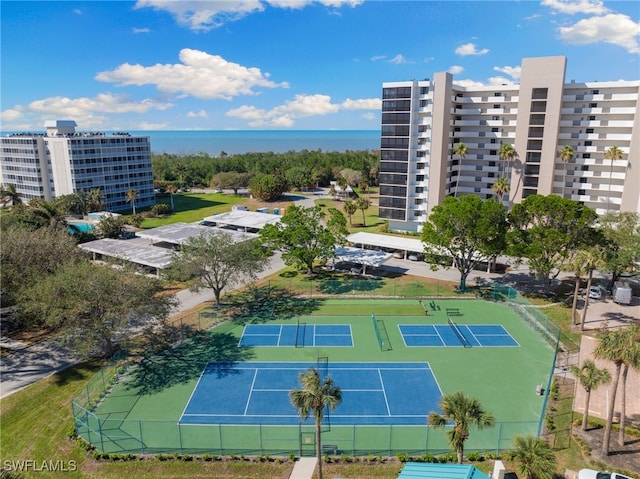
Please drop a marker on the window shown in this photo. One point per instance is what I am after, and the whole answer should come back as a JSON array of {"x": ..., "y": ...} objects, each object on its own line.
[
  {"x": 418, "y": 201},
  {"x": 589, "y": 130},
  {"x": 592, "y": 117},
  {"x": 593, "y": 105},
  {"x": 493, "y": 140},
  {"x": 497, "y": 94},
  {"x": 419, "y": 177},
  {"x": 595, "y": 92},
  {"x": 586, "y": 155},
  {"x": 494, "y": 130},
  {"x": 419, "y": 189},
  {"x": 588, "y": 143},
  {"x": 496, "y": 106},
  {"x": 424, "y": 90},
  {"x": 493, "y": 152}
]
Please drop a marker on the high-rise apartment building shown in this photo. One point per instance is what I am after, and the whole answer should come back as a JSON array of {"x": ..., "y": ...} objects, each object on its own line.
[
  {"x": 62, "y": 161},
  {"x": 424, "y": 122}
]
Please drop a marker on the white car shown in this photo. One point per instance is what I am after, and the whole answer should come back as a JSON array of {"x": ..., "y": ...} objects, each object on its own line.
[
  {"x": 591, "y": 474},
  {"x": 595, "y": 292}
]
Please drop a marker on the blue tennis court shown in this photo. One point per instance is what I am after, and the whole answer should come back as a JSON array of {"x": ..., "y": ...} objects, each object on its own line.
[
  {"x": 258, "y": 393},
  {"x": 473, "y": 335},
  {"x": 297, "y": 335}
]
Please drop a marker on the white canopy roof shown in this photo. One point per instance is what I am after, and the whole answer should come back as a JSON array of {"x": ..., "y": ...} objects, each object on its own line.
[
  {"x": 130, "y": 251},
  {"x": 366, "y": 257},
  {"x": 179, "y": 233},
  {"x": 243, "y": 219},
  {"x": 386, "y": 241}
]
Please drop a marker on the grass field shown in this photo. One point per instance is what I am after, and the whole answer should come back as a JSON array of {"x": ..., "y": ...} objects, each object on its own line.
[{"x": 141, "y": 412}]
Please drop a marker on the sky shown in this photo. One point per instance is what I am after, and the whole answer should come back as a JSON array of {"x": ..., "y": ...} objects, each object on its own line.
[{"x": 282, "y": 64}]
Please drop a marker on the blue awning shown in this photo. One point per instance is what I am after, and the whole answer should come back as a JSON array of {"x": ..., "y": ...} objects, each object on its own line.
[{"x": 421, "y": 470}]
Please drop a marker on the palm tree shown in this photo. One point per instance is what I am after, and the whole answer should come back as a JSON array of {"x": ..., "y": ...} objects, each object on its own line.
[
  {"x": 9, "y": 194},
  {"x": 507, "y": 154},
  {"x": 590, "y": 378},
  {"x": 500, "y": 187},
  {"x": 172, "y": 189},
  {"x": 577, "y": 266},
  {"x": 316, "y": 395},
  {"x": 461, "y": 150},
  {"x": 566, "y": 154},
  {"x": 95, "y": 200},
  {"x": 362, "y": 204},
  {"x": 350, "y": 208},
  {"x": 631, "y": 359},
  {"x": 593, "y": 258},
  {"x": 132, "y": 194},
  {"x": 611, "y": 347},
  {"x": 463, "y": 411},
  {"x": 534, "y": 457},
  {"x": 614, "y": 153}
]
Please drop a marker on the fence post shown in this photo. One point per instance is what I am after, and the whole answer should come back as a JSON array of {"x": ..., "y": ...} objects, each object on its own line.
[
  {"x": 141, "y": 438},
  {"x": 260, "y": 437},
  {"x": 220, "y": 438},
  {"x": 499, "y": 437},
  {"x": 180, "y": 438},
  {"x": 100, "y": 432}
]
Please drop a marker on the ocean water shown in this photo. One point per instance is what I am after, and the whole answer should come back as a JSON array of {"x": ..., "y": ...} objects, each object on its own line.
[{"x": 246, "y": 141}]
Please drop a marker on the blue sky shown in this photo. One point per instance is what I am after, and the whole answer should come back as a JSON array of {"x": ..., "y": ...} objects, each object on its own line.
[{"x": 282, "y": 64}]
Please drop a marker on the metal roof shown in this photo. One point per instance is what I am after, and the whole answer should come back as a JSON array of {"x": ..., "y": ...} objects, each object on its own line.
[
  {"x": 243, "y": 219},
  {"x": 130, "y": 251},
  {"x": 361, "y": 256},
  {"x": 180, "y": 233},
  {"x": 421, "y": 470},
  {"x": 386, "y": 241}
]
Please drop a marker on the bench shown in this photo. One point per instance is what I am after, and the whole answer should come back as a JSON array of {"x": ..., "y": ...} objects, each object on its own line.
[
  {"x": 453, "y": 312},
  {"x": 330, "y": 449}
]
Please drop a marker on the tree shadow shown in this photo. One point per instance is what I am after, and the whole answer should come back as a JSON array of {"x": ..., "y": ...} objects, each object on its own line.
[
  {"x": 348, "y": 285},
  {"x": 187, "y": 360},
  {"x": 260, "y": 305}
]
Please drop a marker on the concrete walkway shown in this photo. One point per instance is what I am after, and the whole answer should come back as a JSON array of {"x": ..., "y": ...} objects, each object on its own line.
[{"x": 303, "y": 468}]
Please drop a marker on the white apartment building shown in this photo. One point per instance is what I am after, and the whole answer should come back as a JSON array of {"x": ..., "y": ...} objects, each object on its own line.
[
  {"x": 424, "y": 120},
  {"x": 62, "y": 161}
]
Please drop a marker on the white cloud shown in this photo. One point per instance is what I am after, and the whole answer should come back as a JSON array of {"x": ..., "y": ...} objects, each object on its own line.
[
  {"x": 399, "y": 59},
  {"x": 470, "y": 49},
  {"x": 77, "y": 11},
  {"x": 362, "y": 104},
  {"x": 492, "y": 81},
  {"x": 614, "y": 28},
  {"x": 455, "y": 69},
  {"x": 513, "y": 72},
  {"x": 200, "y": 75},
  {"x": 468, "y": 83},
  {"x": 499, "y": 80},
  {"x": 12, "y": 114},
  {"x": 370, "y": 116},
  {"x": 59, "y": 106},
  {"x": 140, "y": 30},
  {"x": 302, "y": 106},
  {"x": 571, "y": 7},
  {"x": 197, "y": 114},
  {"x": 205, "y": 15},
  {"x": 375, "y": 58}
]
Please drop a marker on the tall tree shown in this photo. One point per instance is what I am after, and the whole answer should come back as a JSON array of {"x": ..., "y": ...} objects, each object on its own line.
[
  {"x": 349, "y": 208},
  {"x": 217, "y": 261},
  {"x": 578, "y": 268},
  {"x": 534, "y": 457},
  {"x": 95, "y": 305},
  {"x": 466, "y": 229},
  {"x": 363, "y": 204},
  {"x": 566, "y": 154},
  {"x": 303, "y": 237},
  {"x": 507, "y": 154},
  {"x": 611, "y": 347},
  {"x": 313, "y": 398},
  {"x": 592, "y": 258},
  {"x": 547, "y": 230},
  {"x": 461, "y": 150},
  {"x": 612, "y": 154},
  {"x": 9, "y": 194},
  {"x": 631, "y": 360},
  {"x": 95, "y": 200},
  {"x": 500, "y": 187},
  {"x": 132, "y": 195},
  {"x": 622, "y": 240},
  {"x": 465, "y": 412},
  {"x": 172, "y": 190},
  {"x": 590, "y": 378}
]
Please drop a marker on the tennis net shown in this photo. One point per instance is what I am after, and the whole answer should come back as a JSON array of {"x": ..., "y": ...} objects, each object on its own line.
[{"x": 456, "y": 330}]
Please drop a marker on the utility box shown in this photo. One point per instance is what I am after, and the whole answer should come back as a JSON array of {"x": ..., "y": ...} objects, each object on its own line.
[{"x": 622, "y": 292}]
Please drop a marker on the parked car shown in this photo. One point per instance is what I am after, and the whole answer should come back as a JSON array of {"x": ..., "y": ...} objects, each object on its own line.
[
  {"x": 595, "y": 292},
  {"x": 591, "y": 474},
  {"x": 622, "y": 292}
]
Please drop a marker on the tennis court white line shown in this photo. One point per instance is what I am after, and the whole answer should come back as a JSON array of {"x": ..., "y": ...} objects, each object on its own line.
[
  {"x": 246, "y": 408},
  {"x": 193, "y": 392},
  {"x": 384, "y": 393}
]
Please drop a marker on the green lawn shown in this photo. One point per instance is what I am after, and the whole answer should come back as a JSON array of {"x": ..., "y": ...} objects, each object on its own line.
[{"x": 191, "y": 207}]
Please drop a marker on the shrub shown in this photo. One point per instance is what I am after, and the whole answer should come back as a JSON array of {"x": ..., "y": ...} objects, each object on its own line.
[
  {"x": 475, "y": 456},
  {"x": 403, "y": 457},
  {"x": 160, "y": 209}
]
